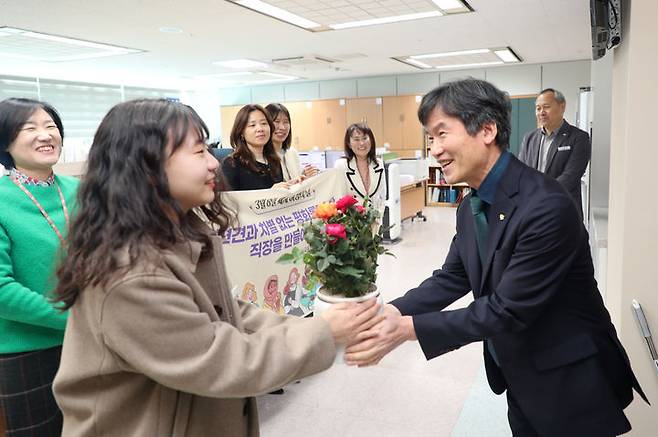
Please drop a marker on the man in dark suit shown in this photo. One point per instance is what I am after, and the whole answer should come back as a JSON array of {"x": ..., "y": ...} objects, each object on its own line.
[
  {"x": 548, "y": 339},
  {"x": 557, "y": 148}
]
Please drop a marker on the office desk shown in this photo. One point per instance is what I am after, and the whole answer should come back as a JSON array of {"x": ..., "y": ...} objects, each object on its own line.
[{"x": 412, "y": 199}]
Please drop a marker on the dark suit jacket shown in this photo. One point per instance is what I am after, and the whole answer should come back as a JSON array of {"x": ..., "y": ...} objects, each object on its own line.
[
  {"x": 567, "y": 158},
  {"x": 537, "y": 301}
]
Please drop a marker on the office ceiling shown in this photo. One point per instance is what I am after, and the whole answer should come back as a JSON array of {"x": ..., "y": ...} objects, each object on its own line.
[{"x": 214, "y": 30}]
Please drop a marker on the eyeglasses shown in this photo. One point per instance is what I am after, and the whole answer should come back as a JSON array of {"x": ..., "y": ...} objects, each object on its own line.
[{"x": 360, "y": 139}]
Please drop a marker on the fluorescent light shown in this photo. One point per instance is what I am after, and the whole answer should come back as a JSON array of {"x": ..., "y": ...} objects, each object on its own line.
[
  {"x": 385, "y": 20},
  {"x": 77, "y": 42},
  {"x": 103, "y": 50},
  {"x": 241, "y": 63},
  {"x": 447, "y": 5},
  {"x": 506, "y": 55},
  {"x": 447, "y": 54},
  {"x": 476, "y": 64},
  {"x": 279, "y": 13},
  {"x": 417, "y": 63}
]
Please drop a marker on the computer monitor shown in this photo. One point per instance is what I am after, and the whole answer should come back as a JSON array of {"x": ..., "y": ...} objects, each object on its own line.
[
  {"x": 316, "y": 159},
  {"x": 332, "y": 156}
]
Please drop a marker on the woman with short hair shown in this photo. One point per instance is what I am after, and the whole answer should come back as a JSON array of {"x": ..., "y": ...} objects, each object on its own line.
[{"x": 34, "y": 220}]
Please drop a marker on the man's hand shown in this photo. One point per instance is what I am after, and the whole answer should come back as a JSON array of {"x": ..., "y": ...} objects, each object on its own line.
[
  {"x": 372, "y": 345},
  {"x": 348, "y": 320}
]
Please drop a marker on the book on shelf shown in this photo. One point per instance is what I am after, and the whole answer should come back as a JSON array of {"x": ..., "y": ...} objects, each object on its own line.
[{"x": 438, "y": 177}]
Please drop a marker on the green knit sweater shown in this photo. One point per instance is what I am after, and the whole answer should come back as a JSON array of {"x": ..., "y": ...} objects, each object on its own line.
[{"x": 29, "y": 253}]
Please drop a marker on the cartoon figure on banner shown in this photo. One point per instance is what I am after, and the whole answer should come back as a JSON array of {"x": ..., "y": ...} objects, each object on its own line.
[
  {"x": 249, "y": 293},
  {"x": 271, "y": 295},
  {"x": 308, "y": 292},
  {"x": 293, "y": 294}
]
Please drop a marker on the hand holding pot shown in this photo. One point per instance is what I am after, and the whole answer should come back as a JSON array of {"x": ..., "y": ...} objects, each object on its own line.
[
  {"x": 347, "y": 320},
  {"x": 374, "y": 344}
]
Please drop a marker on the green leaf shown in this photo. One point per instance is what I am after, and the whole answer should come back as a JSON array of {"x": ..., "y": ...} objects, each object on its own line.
[
  {"x": 323, "y": 263},
  {"x": 350, "y": 271},
  {"x": 286, "y": 258}
]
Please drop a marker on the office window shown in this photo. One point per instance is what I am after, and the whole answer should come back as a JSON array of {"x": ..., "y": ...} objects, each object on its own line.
[{"x": 18, "y": 87}]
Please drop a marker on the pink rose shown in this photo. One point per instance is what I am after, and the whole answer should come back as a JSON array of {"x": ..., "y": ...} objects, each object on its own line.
[
  {"x": 345, "y": 202},
  {"x": 335, "y": 231},
  {"x": 360, "y": 208}
]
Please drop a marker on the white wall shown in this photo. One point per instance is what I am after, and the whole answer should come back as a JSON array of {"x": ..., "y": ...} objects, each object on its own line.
[
  {"x": 568, "y": 77},
  {"x": 602, "y": 108},
  {"x": 633, "y": 212},
  {"x": 523, "y": 79},
  {"x": 206, "y": 103}
]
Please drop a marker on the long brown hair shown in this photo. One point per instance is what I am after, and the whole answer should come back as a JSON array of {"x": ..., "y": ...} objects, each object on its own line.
[
  {"x": 241, "y": 151},
  {"x": 124, "y": 197},
  {"x": 274, "y": 109}
]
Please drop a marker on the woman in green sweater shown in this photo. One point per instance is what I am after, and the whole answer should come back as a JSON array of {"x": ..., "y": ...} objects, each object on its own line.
[{"x": 35, "y": 206}]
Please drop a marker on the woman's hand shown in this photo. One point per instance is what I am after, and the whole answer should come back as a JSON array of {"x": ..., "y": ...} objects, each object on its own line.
[
  {"x": 310, "y": 171},
  {"x": 282, "y": 185},
  {"x": 347, "y": 320}
]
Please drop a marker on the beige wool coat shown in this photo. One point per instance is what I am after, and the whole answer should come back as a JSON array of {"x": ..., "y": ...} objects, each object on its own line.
[{"x": 167, "y": 351}]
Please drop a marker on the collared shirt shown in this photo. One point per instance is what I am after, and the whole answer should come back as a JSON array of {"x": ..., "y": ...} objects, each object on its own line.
[
  {"x": 546, "y": 141},
  {"x": 487, "y": 190},
  {"x": 29, "y": 180}
]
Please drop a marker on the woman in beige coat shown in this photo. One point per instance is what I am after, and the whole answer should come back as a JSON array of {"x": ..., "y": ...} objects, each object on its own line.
[{"x": 155, "y": 344}]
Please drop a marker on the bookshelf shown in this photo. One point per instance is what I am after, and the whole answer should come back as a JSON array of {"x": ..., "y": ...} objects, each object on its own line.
[{"x": 439, "y": 191}]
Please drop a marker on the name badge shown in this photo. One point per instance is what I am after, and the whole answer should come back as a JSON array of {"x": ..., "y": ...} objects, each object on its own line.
[{"x": 563, "y": 148}]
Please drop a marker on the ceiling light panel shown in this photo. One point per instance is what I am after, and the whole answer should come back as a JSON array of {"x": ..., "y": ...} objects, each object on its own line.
[
  {"x": 451, "y": 6},
  {"x": 270, "y": 8},
  {"x": 506, "y": 55},
  {"x": 461, "y": 59},
  {"x": 343, "y": 14},
  {"x": 40, "y": 47}
]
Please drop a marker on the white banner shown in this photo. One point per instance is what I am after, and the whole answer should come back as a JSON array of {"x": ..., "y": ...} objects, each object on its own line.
[{"x": 270, "y": 223}]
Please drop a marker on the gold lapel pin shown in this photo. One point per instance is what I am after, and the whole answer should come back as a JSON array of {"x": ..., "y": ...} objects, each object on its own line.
[{"x": 501, "y": 217}]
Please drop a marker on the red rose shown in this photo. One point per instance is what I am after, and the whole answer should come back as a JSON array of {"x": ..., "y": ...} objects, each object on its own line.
[
  {"x": 335, "y": 231},
  {"x": 360, "y": 208},
  {"x": 345, "y": 202}
]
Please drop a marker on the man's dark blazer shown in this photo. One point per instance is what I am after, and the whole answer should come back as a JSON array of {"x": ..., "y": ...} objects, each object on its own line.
[
  {"x": 567, "y": 157},
  {"x": 537, "y": 301}
]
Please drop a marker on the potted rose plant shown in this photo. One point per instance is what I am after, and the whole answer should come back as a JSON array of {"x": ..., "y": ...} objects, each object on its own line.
[
  {"x": 344, "y": 241},
  {"x": 343, "y": 246}
]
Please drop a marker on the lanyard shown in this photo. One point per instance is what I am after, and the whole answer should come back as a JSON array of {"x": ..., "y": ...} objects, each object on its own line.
[{"x": 43, "y": 211}]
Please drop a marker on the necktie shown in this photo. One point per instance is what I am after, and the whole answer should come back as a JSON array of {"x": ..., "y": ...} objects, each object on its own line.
[
  {"x": 481, "y": 226},
  {"x": 481, "y": 233}
]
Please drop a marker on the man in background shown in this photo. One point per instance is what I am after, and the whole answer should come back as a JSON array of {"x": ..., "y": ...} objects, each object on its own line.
[{"x": 557, "y": 148}]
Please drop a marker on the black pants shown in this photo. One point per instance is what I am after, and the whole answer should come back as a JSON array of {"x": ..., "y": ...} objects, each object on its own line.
[{"x": 26, "y": 395}]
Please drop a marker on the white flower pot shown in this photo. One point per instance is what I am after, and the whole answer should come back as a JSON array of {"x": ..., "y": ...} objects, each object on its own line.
[{"x": 324, "y": 301}]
